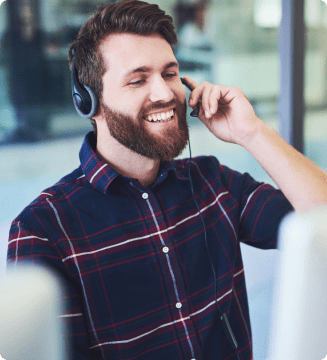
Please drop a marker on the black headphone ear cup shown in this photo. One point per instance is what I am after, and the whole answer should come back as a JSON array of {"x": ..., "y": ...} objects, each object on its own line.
[
  {"x": 94, "y": 104},
  {"x": 84, "y": 98}
]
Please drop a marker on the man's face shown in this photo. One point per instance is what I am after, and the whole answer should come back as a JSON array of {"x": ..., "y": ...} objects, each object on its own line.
[{"x": 143, "y": 99}]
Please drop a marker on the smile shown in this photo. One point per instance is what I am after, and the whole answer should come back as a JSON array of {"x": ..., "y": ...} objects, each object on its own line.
[{"x": 160, "y": 116}]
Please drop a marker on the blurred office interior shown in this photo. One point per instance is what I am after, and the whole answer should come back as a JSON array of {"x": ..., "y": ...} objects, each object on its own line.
[{"x": 227, "y": 42}]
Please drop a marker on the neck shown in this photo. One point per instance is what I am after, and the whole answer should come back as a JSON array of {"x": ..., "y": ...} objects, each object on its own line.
[{"x": 125, "y": 161}]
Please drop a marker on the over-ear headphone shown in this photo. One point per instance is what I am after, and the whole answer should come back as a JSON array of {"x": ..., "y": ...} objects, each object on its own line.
[{"x": 84, "y": 98}]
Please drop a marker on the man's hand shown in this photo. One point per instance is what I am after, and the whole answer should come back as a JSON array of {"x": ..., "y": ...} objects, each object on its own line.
[
  {"x": 225, "y": 110},
  {"x": 230, "y": 117}
]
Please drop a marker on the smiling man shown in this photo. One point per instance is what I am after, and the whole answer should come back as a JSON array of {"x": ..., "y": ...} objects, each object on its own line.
[
  {"x": 149, "y": 246},
  {"x": 143, "y": 103}
]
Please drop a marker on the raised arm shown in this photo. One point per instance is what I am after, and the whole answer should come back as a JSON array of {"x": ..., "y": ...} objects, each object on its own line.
[{"x": 228, "y": 114}]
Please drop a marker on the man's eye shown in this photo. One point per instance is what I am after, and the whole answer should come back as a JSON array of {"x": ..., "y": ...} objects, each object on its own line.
[
  {"x": 138, "y": 82},
  {"x": 169, "y": 75}
]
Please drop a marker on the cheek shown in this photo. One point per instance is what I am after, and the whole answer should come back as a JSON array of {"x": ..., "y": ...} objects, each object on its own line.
[
  {"x": 109, "y": 98},
  {"x": 180, "y": 93},
  {"x": 136, "y": 106},
  {"x": 124, "y": 103}
]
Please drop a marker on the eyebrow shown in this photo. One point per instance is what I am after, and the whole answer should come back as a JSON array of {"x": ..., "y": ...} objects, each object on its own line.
[{"x": 144, "y": 69}]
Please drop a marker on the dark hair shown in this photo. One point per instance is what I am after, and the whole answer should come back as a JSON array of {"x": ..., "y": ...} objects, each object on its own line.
[{"x": 127, "y": 16}]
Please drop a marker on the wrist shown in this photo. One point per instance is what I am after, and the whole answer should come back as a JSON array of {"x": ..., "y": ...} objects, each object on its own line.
[{"x": 253, "y": 137}]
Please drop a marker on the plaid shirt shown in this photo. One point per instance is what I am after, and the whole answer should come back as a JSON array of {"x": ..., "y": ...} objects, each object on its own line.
[{"x": 139, "y": 280}]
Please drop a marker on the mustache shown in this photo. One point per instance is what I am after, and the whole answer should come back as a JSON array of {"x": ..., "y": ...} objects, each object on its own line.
[{"x": 160, "y": 105}]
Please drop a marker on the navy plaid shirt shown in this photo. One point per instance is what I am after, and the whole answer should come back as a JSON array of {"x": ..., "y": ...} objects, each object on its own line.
[{"x": 139, "y": 280}]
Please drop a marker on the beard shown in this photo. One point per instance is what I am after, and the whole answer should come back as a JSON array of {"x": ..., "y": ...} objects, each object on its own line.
[{"x": 133, "y": 134}]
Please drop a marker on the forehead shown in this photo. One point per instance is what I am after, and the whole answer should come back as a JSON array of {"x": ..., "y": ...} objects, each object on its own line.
[{"x": 122, "y": 53}]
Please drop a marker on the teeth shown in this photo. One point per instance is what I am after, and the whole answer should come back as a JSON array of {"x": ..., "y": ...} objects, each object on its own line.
[{"x": 160, "y": 116}]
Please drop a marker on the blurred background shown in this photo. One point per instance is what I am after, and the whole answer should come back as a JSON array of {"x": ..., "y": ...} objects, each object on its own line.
[{"x": 227, "y": 42}]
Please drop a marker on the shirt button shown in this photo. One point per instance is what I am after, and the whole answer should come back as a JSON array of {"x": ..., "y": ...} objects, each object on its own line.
[
  {"x": 165, "y": 249},
  {"x": 145, "y": 196},
  {"x": 178, "y": 305}
]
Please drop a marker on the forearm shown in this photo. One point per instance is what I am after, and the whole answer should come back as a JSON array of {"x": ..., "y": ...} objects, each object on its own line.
[{"x": 301, "y": 181}]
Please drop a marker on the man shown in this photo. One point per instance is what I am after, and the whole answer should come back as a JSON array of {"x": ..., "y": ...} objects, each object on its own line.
[{"x": 150, "y": 246}]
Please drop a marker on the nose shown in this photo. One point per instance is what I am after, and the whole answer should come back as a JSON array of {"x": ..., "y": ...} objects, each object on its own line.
[{"x": 160, "y": 91}]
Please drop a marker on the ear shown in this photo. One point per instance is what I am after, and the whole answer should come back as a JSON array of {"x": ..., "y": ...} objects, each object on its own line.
[{"x": 99, "y": 115}]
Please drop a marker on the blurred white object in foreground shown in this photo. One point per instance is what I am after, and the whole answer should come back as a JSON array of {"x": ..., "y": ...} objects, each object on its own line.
[
  {"x": 29, "y": 309},
  {"x": 299, "y": 317}
]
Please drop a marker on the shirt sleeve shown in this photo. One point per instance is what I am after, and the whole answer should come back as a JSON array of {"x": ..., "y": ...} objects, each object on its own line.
[
  {"x": 261, "y": 208},
  {"x": 28, "y": 245}
]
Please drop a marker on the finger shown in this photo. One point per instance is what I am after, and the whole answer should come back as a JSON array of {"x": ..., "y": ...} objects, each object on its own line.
[
  {"x": 228, "y": 93},
  {"x": 206, "y": 94},
  {"x": 214, "y": 99},
  {"x": 191, "y": 82},
  {"x": 195, "y": 94}
]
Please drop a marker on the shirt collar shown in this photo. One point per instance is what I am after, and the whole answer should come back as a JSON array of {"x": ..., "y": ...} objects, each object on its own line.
[
  {"x": 101, "y": 175},
  {"x": 98, "y": 173}
]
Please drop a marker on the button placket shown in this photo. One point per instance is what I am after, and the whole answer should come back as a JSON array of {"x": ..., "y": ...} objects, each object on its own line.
[{"x": 163, "y": 242}]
